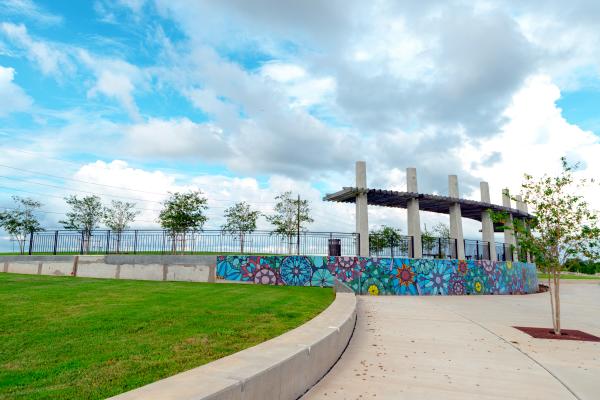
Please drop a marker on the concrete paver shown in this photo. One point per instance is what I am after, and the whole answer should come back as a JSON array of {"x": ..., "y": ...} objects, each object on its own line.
[{"x": 464, "y": 347}]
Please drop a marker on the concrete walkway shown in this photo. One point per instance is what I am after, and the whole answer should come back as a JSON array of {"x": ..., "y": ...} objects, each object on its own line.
[{"x": 465, "y": 348}]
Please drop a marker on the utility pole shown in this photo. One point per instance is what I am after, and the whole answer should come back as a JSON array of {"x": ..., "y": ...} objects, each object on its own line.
[{"x": 298, "y": 228}]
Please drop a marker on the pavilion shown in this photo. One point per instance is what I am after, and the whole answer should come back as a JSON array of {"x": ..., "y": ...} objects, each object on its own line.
[{"x": 414, "y": 202}]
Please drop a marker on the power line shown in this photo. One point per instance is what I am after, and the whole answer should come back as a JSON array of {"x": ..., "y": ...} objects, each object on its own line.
[
  {"x": 109, "y": 186},
  {"x": 78, "y": 190},
  {"x": 79, "y": 180}
]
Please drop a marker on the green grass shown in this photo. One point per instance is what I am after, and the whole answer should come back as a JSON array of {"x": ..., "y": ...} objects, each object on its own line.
[
  {"x": 80, "y": 338},
  {"x": 569, "y": 276}
]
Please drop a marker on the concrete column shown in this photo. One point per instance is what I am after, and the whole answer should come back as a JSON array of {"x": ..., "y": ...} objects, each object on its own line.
[
  {"x": 456, "y": 230},
  {"x": 412, "y": 208},
  {"x": 362, "y": 213},
  {"x": 487, "y": 226},
  {"x": 522, "y": 206},
  {"x": 509, "y": 235}
]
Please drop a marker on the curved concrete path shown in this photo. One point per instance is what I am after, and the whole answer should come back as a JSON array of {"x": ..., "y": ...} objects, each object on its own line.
[{"x": 465, "y": 348}]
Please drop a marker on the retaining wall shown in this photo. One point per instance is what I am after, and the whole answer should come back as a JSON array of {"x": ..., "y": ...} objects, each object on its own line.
[
  {"x": 282, "y": 368},
  {"x": 155, "y": 268},
  {"x": 378, "y": 276}
]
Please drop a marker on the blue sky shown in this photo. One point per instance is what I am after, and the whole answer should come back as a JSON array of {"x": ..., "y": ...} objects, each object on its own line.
[{"x": 245, "y": 99}]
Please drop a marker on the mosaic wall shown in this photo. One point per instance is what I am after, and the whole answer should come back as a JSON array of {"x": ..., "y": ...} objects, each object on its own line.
[{"x": 382, "y": 276}]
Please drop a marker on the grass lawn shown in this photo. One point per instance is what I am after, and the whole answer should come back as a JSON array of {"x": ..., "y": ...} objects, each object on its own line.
[
  {"x": 569, "y": 276},
  {"x": 80, "y": 338}
]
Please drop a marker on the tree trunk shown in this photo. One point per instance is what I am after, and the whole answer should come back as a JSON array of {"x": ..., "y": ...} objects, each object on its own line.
[
  {"x": 118, "y": 242},
  {"x": 557, "y": 302},
  {"x": 21, "y": 244},
  {"x": 551, "y": 293},
  {"x": 242, "y": 243},
  {"x": 86, "y": 244}
]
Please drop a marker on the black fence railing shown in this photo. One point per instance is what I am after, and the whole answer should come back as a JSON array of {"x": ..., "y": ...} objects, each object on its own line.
[
  {"x": 477, "y": 250},
  {"x": 400, "y": 246},
  {"x": 208, "y": 241},
  {"x": 504, "y": 252},
  {"x": 437, "y": 247}
]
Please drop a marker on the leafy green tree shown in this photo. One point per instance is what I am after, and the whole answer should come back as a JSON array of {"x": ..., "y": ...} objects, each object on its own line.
[
  {"x": 118, "y": 216},
  {"x": 563, "y": 226},
  {"x": 20, "y": 221},
  {"x": 182, "y": 213},
  {"x": 289, "y": 214},
  {"x": 441, "y": 230},
  {"x": 240, "y": 221},
  {"x": 386, "y": 237},
  {"x": 428, "y": 241},
  {"x": 85, "y": 215}
]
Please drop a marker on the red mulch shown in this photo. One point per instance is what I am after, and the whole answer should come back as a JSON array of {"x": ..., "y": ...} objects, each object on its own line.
[{"x": 566, "y": 334}]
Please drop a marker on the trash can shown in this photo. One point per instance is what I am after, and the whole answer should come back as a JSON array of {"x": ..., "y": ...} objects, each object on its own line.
[{"x": 335, "y": 247}]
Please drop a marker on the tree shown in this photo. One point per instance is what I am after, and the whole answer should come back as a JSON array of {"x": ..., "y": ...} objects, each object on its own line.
[
  {"x": 441, "y": 230},
  {"x": 85, "y": 216},
  {"x": 563, "y": 226},
  {"x": 181, "y": 213},
  {"x": 386, "y": 237},
  {"x": 118, "y": 216},
  {"x": 240, "y": 221},
  {"x": 290, "y": 216},
  {"x": 20, "y": 221},
  {"x": 427, "y": 241}
]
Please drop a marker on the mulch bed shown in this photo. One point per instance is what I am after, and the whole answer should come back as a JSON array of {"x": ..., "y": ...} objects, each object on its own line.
[{"x": 566, "y": 334}]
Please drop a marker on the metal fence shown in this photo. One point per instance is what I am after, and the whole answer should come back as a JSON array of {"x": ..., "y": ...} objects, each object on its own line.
[
  {"x": 503, "y": 252},
  {"x": 400, "y": 246},
  {"x": 436, "y": 247},
  {"x": 209, "y": 241},
  {"x": 477, "y": 250}
]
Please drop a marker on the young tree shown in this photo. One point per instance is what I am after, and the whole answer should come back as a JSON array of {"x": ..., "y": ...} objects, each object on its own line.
[
  {"x": 181, "y": 213},
  {"x": 21, "y": 221},
  {"x": 386, "y": 237},
  {"x": 85, "y": 216},
  {"x": 240, "y": 221},
  {"x": 563, "y": 227},
  {"x": 290, "y": 215},
  {"x": 428, "y": 241},
  {"x": 441, "y": 230},
  {"x": 118, "y": 216}
]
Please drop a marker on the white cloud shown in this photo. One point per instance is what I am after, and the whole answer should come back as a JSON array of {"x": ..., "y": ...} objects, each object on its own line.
[
  {"x": 29, "y": 9},
  {"x": 302, "y": 89},
  {"x": 177, "y": 138},
  {"x": 116, "y": 79},
  {"x": 534, "y": 140},
  {"x": 282, "y": 72},
  {"x": 12, "y": 97},
  {"x": 50, "y": 59}
]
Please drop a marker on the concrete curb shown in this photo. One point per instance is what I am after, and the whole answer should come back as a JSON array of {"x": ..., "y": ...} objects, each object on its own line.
[{"x": 283, "y": 368}]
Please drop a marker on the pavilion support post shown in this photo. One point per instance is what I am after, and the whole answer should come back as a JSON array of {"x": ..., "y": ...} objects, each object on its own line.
[
  {"x": 414, "y": 221},
  {"x": 362, "y": 215},
  {"x": 522, "y": 206},
  {"x": 456, "y": 229},
  {"x": 487, "y": 226},
  {"x": 509, "y": 234}
]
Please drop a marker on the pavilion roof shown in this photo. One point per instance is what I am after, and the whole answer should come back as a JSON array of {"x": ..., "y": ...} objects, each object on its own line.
[{"x": 427, "y": 202}]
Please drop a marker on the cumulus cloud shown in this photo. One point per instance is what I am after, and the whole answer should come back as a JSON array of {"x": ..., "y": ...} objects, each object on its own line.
[
  {"x": 534, "y": 140},
  {"x": 12, "y": 97},
  {"x": 177, "y": 138},
  {"x": 447, "y": 87}
]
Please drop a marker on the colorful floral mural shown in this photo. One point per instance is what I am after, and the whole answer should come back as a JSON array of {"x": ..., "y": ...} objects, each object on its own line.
[{"x": 384, "y": 276}]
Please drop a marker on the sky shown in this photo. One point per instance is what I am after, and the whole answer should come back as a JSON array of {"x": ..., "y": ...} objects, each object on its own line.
[{"x": 245, "y": 99}]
